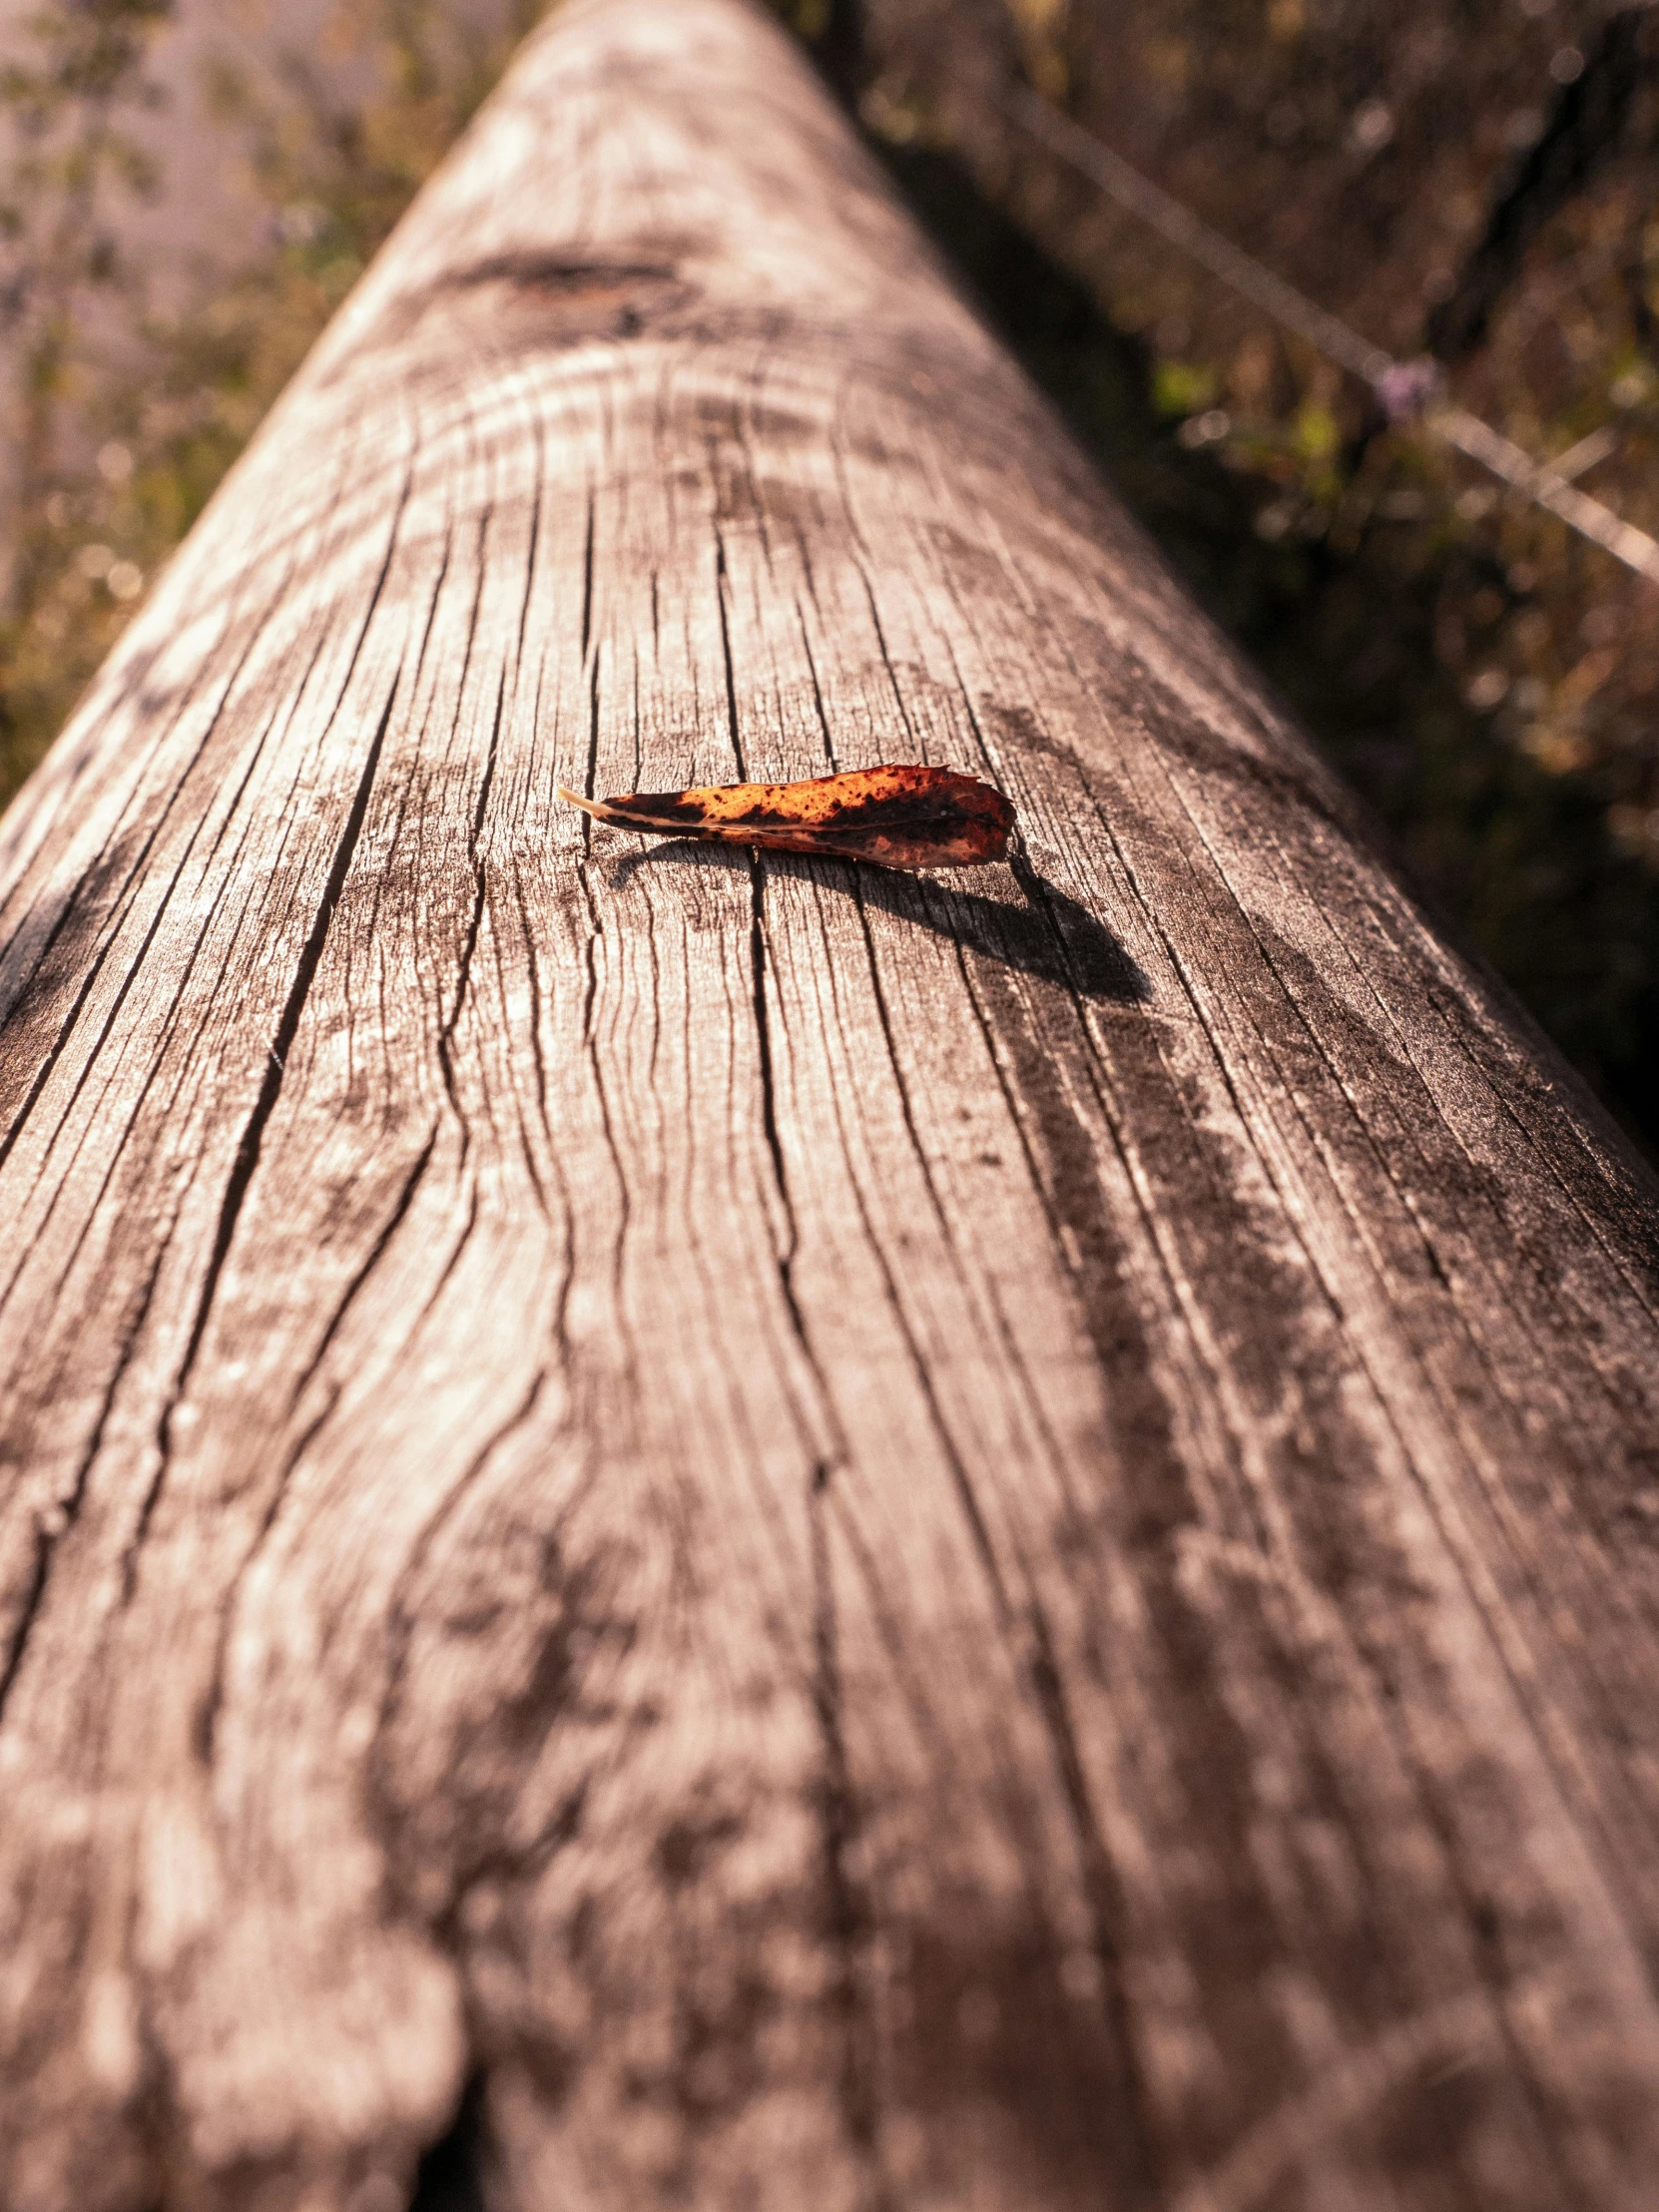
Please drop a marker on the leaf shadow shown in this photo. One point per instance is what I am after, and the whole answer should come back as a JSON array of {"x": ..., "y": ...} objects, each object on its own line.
[{"x": 1050, "y": 935}]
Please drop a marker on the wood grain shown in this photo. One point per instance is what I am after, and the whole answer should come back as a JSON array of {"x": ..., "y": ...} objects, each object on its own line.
[{"x": 837, "y": 1540}]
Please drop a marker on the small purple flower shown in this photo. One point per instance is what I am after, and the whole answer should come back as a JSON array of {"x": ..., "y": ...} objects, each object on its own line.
[{"x": 1405, "y": 389}]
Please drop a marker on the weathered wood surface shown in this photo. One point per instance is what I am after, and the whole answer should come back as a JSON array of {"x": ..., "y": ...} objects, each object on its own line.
[{"x": 853, "y": 1544}]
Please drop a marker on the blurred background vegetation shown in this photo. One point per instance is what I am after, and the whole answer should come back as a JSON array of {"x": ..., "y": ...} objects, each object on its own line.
[
  {"x": 140, "y": 343},
  {"x": 1470, "y": 179}
]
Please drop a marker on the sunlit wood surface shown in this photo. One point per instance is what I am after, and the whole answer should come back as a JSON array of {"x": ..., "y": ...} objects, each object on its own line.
[{"x": 807, "y": 1539}]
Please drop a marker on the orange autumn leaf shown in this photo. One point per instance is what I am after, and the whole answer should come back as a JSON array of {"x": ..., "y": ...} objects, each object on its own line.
[{"x": 893, "y": 816}]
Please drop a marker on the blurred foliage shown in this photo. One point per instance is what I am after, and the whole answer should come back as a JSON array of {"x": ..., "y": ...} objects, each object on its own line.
[
  {"x": 1478, "y": 168},
  {"x": 121, "y": 423},
  {"x": 69, "y": 158}
]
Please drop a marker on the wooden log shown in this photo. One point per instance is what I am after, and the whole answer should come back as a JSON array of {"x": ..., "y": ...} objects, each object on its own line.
[{"x": 836, "y": 1541}]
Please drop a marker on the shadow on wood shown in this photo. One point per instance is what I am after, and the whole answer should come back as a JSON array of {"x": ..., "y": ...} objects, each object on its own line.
[{"x": 1048, "y": 936}]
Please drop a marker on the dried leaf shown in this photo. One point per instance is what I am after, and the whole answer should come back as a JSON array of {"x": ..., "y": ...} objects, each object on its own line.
[{"x": 893, "y": 816}]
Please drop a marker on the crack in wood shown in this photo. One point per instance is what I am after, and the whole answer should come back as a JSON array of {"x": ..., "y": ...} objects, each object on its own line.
[{"x": 246, "y": 1156}]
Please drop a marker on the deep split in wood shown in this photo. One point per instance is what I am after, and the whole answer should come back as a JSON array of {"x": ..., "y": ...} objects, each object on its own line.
[{"x": 850, "y": 1542}]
